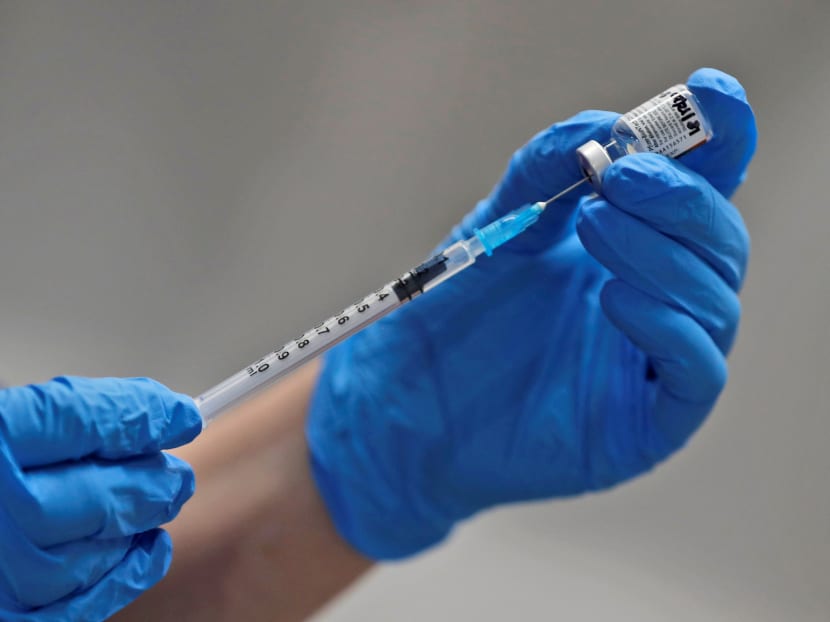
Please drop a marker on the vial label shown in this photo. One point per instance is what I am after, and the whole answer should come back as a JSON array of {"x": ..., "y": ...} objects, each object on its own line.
[{"x": 670, "y": 123}]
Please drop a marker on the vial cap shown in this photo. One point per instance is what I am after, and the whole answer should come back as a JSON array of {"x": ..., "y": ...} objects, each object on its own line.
[{"x": 593, "y": 159}]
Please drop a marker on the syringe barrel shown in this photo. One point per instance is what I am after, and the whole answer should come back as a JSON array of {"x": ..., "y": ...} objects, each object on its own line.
[
  {"x": 671, "y": 123},
  {"x": 298, "y": 352},
  {"x": 458, "y": 257},
  {"x": 353, "y": 318}
]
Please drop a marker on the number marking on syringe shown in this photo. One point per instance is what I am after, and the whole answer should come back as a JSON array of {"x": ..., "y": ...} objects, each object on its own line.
[{"x": 333, "y": 329}]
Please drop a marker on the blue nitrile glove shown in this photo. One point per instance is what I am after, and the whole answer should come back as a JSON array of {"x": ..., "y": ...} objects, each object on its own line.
[
  {"x": 83, "y": 486},
  {"x": 578, "y": 356}
]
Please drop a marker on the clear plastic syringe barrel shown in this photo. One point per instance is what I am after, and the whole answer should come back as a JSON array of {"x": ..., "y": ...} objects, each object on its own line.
[
  {"x": 458, "y": 256},
  {"x": 314, "y": 342},
  {"x": 671, "y": 123},
  {"x": 297, "y": 352}
]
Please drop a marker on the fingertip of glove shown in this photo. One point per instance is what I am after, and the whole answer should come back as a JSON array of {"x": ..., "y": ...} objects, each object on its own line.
[
  {"x": 146, "y": 563},
  {"x": 153, "y": 541},
  {"x": 708, "y": 80},
  {"x": 178, "y": 413},
  {"x": 185, "y": 488},
  {"x": 153, "y": 553},
  {"x": 735, "y": 139},
  {"x": 185, "y": 421}
]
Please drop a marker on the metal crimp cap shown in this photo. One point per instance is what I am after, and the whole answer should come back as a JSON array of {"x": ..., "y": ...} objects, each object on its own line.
[{"x": 593, "y": 159}]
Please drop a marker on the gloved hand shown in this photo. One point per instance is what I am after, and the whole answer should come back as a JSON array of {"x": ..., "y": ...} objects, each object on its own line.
[
  {"x": 83, "y": 486},
  {"x": 578, "y": 356}
]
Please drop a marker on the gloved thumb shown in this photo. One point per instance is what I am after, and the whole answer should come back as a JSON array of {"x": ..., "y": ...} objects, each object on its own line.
[
  {"x": 543, "y": 167},
  {"x": 724, "y": 159}
]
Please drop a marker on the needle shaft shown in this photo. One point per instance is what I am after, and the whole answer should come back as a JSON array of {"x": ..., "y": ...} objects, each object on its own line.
[{"x": 564, "y": 192}]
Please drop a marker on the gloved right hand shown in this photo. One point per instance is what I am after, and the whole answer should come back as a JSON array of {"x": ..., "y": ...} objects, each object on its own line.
[{"x": 83, "y": 488}]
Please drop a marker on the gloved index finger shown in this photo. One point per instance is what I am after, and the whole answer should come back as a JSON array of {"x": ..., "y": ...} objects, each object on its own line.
[
  {"x": 548, "y": 163},
  {"x": 69, "y": 418},
  {"x": 682, "y": 204},
  {"x": 543, "y": 167}
]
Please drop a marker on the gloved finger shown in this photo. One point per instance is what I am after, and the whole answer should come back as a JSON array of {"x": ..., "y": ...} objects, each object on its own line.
[
  {"x": 660, "y": 267},
  {"x": 70, "y": 418},
  {"x": 683, "y": 205},
  {"x": 724, "y": 159},
  {"x": 99, "y": 499},
  {"x": 690, "y": 368},
  {"x": 144, "y": 565},
  {"x": 33, "y": 577},
  {"x": 544, "y": 166}
]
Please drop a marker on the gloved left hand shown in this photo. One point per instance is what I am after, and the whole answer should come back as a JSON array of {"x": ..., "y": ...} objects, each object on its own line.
[
  {"x": 83, "y": 487},
  {"x": 576, "y": 357}
]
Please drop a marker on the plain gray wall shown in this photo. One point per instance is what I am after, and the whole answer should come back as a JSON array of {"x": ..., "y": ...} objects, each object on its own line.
[{"x": 185, "y": 184}]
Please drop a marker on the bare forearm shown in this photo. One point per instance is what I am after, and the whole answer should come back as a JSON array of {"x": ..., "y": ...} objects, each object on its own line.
[{"x": 255, "y": 542}]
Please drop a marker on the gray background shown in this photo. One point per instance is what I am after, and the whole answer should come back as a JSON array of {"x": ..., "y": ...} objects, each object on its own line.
[{"x": 185, "y": 184}]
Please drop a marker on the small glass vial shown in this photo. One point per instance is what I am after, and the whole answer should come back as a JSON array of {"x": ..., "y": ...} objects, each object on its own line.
[{"x": 672, "y": 123}]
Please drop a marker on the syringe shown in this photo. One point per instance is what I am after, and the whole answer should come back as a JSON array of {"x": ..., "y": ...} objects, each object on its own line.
[
  {"x": 367, "y": 310},
  {"x": 671, "y": 123}
]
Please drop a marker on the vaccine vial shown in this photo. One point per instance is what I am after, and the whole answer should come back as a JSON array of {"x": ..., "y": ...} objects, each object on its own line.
[{"x": 672, "y": 123}]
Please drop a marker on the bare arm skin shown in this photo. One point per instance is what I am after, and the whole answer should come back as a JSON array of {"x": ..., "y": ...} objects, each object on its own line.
[{"x": 255, "y": 542}]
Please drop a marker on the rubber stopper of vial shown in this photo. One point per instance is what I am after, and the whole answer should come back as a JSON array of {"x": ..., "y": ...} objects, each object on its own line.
[{"x": 593, "y": 159}]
